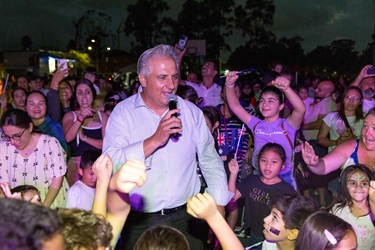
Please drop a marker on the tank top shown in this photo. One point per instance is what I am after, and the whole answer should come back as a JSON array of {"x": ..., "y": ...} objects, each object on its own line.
[{"x": 77, "y": 149}]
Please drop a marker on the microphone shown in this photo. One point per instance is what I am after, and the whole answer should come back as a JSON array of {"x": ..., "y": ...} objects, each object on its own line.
[
  {"x": 172, "y": 102},
  {"x": 243, "y": 72}
]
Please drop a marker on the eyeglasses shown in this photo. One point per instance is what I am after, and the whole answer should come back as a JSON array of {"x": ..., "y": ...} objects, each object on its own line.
[
  {"x": 352, "y": 98},
  {"x": 5, "y": 137}
]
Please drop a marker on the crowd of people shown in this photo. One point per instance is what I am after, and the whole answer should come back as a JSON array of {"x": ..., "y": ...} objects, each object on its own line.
[{"x": 84, "y": 165}]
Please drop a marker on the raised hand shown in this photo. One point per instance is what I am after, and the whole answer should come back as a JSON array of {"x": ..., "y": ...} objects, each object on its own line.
[
  {"x": 132, "y": 174},
  {"x": 202, "y": 206},
  {"x": 363, "y": 72},
  {"x": 167, "y": 126},
  {"x": 231, "y": 78},
  {"x": 233, "y": 166},
  {"x": 6, "y": 190},
  {"x": 58, "y": 76},
  {"x": 308, "y": 155},
  {"x": 281, "y": 83},
  {"x": 102, "y": 168}
]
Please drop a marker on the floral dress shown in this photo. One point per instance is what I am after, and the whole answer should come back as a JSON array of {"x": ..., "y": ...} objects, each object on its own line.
[{"x": 38, "y": 169}]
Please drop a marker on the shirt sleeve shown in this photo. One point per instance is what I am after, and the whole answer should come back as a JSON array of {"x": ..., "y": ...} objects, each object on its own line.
[
  {"x": 53, "y": 108},
  {"x": 211, "y": 165}
]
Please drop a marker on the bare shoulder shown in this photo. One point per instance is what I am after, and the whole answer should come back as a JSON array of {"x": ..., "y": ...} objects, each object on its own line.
[{"x": 346, "y": 147}]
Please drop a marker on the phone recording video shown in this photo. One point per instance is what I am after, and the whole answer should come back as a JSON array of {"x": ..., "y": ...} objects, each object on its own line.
[{"x": 182, "y": 42}]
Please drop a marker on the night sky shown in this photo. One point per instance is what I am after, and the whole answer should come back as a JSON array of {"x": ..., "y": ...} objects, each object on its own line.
[{"x": 319, "y": 22}]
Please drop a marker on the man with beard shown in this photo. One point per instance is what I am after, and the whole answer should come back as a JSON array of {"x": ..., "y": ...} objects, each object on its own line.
[
  {"x": 323, "y": 105},
  {"x": 367, "y": 84}
]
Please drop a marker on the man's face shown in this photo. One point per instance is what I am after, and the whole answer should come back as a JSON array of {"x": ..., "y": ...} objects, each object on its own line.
[
  {"x": 368, "y": 87},
  {"x": 22, "y": 83},
  {"x": 162, "y": 81},
  {"x": 36, "y": 85},
  {"x": 208, "y": 69},
  {"x": 367, "y": 83},
  {"x": 322, "y": 91}
]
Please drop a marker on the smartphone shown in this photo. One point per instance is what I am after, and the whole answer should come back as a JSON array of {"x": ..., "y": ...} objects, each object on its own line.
[
  {"x": 182, "y": 42},
  {"x": 63, "y": 62},
  {"x": 371, "y": 71}
]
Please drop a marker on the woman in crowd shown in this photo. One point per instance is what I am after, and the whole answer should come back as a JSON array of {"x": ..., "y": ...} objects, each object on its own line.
[
  {"x": 19, "y": 98},
  {"x": 59, "y": 96},
  {"x": 29, "y": 158},
  {"x": 36, "y": 108},
  {"x": 340, "y": 126},
  {"x": 83, "y": 128},
  {"x": 350, "y": 152}
]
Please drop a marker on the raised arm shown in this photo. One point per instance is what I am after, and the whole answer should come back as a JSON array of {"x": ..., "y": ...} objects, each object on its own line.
[
  {"x": 331, "y": 161},
  {"x": 233, "y": 102},
  {"x": 102, "y": 168},
  {"x": 296, "y": 117},
  {"x": 53, "y": 99},
  {"x": 203, "y": 206},
  {"x": 132, "y": 174},
  {"x": 234, "y": 169},
  {"x": 363, "y": 74},
  {"x": 53, "y": 190},
  {"x": 323, "y": 136}
]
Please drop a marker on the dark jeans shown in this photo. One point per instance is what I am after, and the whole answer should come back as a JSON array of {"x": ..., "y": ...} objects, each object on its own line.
[{"x": 137, "y": 223}]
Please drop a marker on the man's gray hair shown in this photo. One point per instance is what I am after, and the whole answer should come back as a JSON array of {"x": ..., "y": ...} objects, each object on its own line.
[{"x": 158, "y": 51}]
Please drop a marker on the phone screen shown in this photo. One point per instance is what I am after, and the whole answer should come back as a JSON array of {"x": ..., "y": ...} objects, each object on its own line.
[{"x": 62, "y": 62}]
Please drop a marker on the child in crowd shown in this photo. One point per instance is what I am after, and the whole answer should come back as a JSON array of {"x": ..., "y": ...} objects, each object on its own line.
[
  {"x": 323, "y": 230},
  {"x": 24, "y": 225},
  {"x": 354, "y": 206},
  {"x": 85, "y": 230},
  {"x": 303, "y": 93},
  {"x": 81, "y": 194},
  {"x": 98, "y": 103},
  {"x": 273, "y": 128},
  {"x": 259, "y": 190},
  {"x": 28, "y": 193},
  {"x": 162, "y": 237},
  {"x": 24, "y": 192},
  {"x": 282, "y": 225}
]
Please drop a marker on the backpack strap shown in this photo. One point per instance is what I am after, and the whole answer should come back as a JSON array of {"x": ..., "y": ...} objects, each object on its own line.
[
  {"x": 255, "y": 126},
  {"x": 286, "y": 135}
]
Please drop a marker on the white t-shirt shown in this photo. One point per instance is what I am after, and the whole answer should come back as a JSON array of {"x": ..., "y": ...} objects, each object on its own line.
[
  {"x": 337, "y": 126},
  {"x": 363, "y": 227},
  {"x": 80, "y": 196},
  {"x": 367, "y": 105},
  {"x": 211, "y": 96},
  {"x": 321, "y": 108}
]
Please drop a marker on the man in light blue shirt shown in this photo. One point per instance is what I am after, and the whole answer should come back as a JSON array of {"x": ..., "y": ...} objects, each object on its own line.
[{"x": 140, "y": 128}]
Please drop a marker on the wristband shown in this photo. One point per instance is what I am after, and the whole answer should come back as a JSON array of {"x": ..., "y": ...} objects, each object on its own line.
[
  {"x": 84, "y": 138},
  {"x": 229, "y": 86},
  {"x": 79, "y": 120}
]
